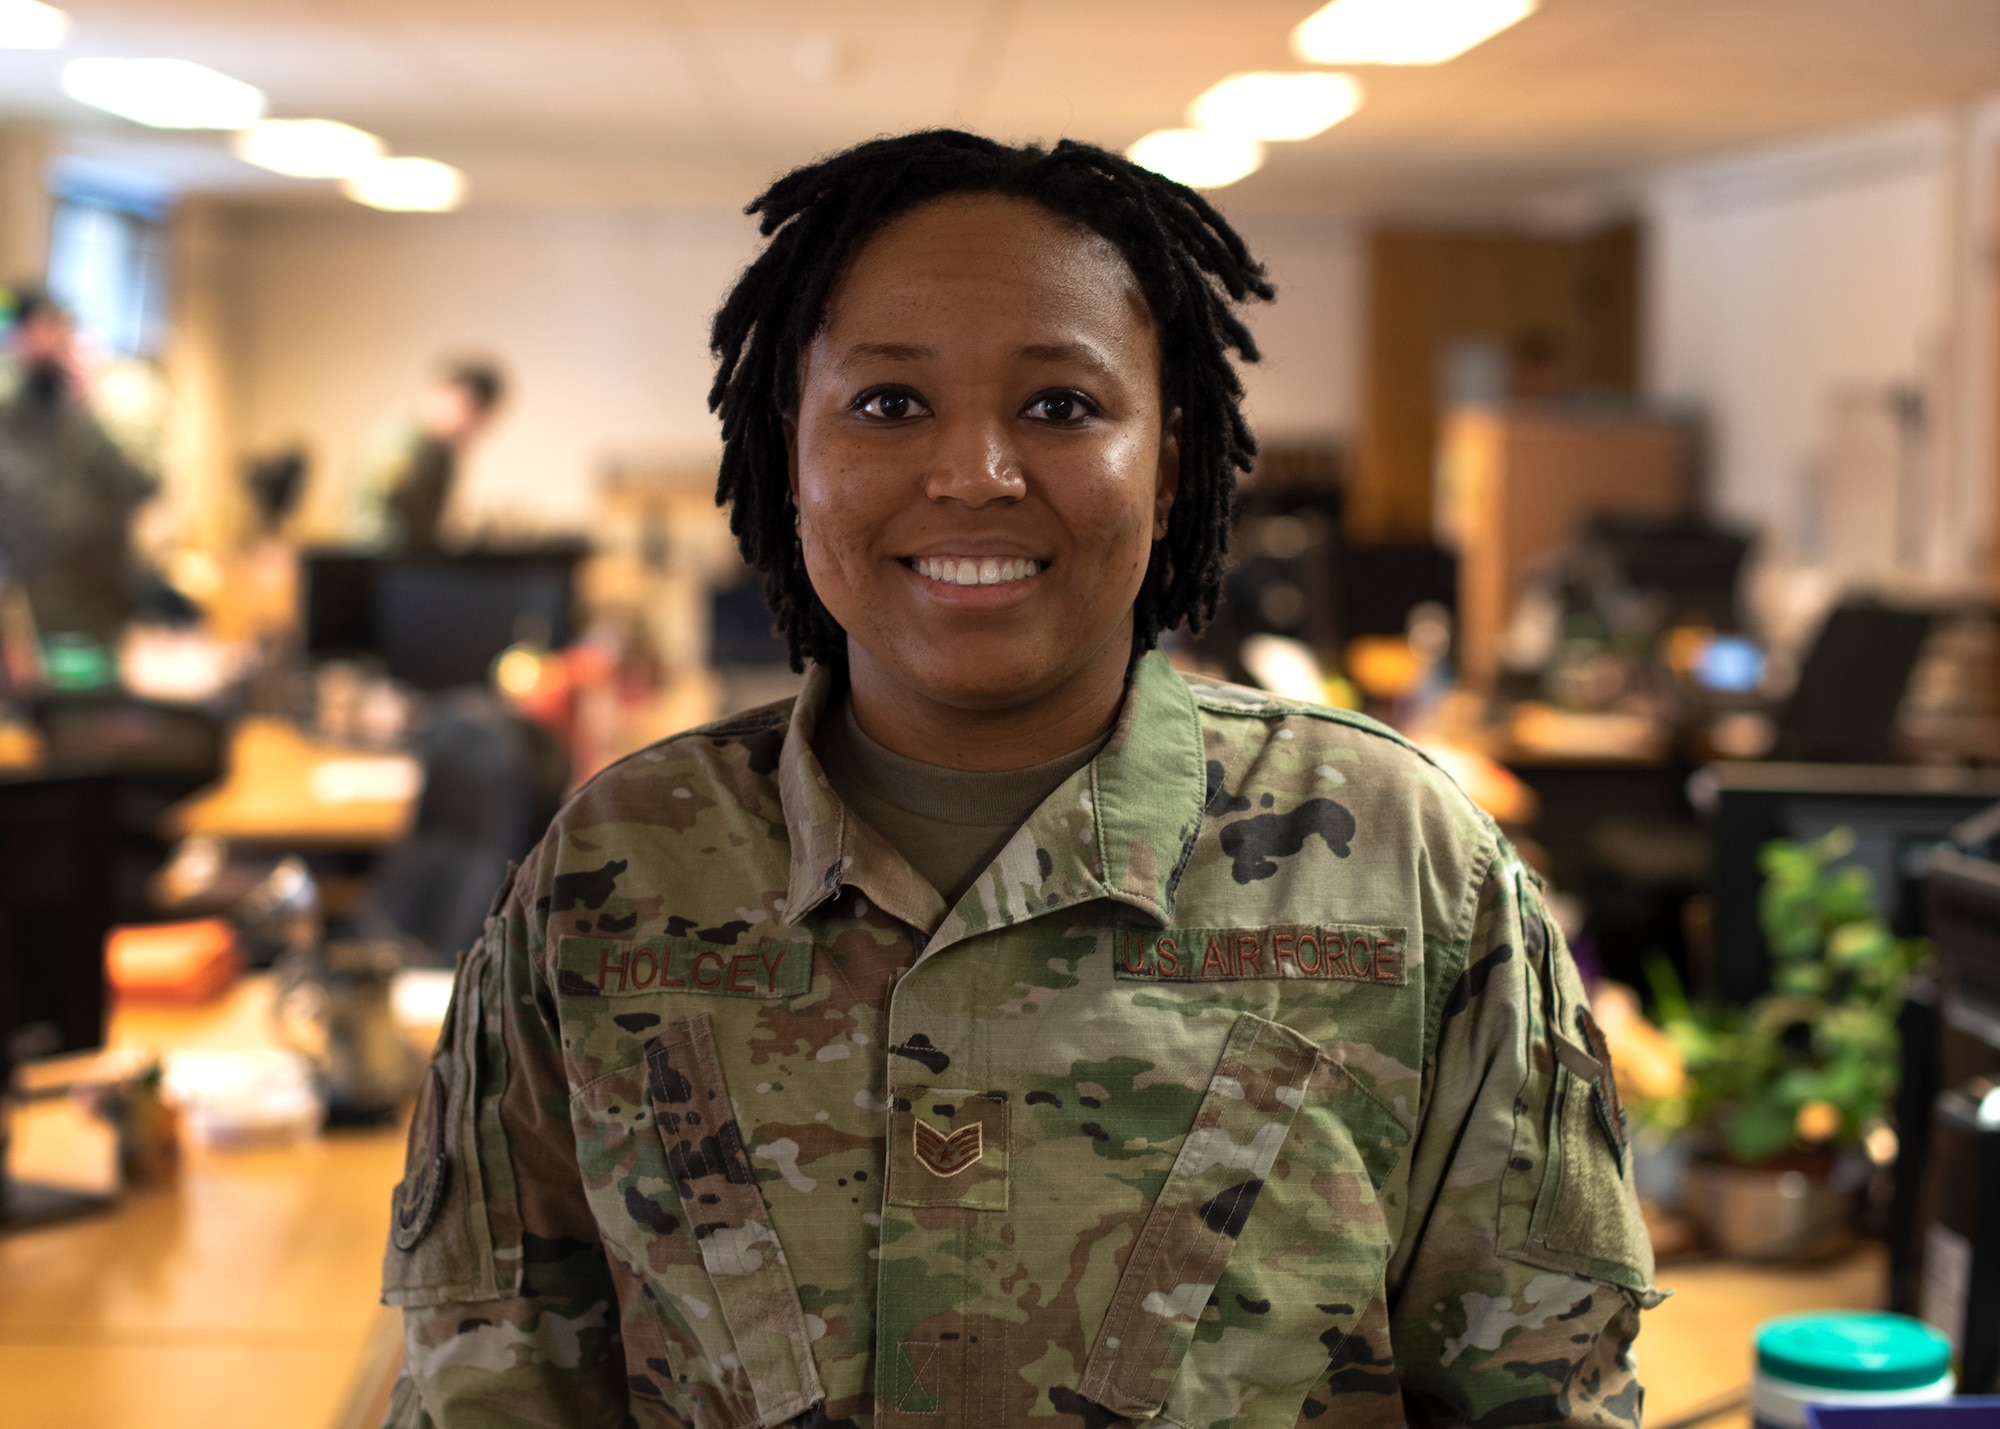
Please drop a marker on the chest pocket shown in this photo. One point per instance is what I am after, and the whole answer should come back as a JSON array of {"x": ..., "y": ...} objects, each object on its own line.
[
  {"x": 715, "y": 1317},
  {"x": 726, "y": 1212},
  {"x": 1186, "y": 1241}
]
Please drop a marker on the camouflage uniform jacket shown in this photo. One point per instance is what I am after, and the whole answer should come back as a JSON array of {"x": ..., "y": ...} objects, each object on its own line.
[{"x": 1250, "y": 1085}]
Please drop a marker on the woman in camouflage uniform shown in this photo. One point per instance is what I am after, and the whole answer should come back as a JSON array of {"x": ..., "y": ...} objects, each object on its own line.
[{"x": 1010, "y": 1030}]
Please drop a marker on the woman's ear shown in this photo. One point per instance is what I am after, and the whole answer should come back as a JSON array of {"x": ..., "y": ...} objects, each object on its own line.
[{"x": 1167, "y": 484}]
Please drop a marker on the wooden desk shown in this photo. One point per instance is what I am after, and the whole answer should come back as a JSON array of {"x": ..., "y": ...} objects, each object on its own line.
[
  {"x": 1697, "y": 1347},
  {"x": 283, "y": 787},
  {"x": 286, "y": 789},
  {"x": 245, "y": 1295}
]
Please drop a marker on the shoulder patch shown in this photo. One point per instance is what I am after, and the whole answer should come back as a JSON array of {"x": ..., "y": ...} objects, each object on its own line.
[{"x": 427, "y": 1167}]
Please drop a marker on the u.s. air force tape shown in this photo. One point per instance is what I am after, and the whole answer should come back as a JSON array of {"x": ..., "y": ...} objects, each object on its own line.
[{"x": 1343, "y": 952}]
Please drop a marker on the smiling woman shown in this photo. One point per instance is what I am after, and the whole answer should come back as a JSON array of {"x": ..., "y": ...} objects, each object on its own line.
[{"x": 1010, "y": 1030}]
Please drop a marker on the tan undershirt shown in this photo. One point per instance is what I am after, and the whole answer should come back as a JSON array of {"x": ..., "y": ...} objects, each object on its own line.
[{"x": 949, "y": 823}]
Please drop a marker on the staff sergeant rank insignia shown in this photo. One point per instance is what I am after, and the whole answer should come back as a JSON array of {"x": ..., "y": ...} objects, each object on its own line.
[
  {"x": 947, "y": 1156},
  {"x": 1345, "y": 954}
]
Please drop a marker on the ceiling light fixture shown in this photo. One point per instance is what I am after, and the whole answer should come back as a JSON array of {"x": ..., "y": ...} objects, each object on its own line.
[
  {"x": 31, "y": 25},
  {"x": 165, "y": 94},
  {"x": 1402, "y": 32},
  {"x": 1199, "y": 158},
  {"x": 1266, "y": 105},
  {"x": 308, "y": 148},
  {"x": 407, "y": 185}
]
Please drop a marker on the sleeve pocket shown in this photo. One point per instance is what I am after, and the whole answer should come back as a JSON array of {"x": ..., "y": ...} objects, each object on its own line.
[
  {"x": 1567, "y": 1201},
  {"x": 453, "y": 1222}
]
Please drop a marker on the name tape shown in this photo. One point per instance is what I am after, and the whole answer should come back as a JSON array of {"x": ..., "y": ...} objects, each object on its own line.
[
  {"x": 608, "y": 968},
  {"x": 1345, "y": 954}
]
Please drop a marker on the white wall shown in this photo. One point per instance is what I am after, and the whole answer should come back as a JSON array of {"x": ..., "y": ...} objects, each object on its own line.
[
  {"x": 1307, "y": 386},
  {"x": 1787, "y": 291},
  {"x": 602, "y": 321}
]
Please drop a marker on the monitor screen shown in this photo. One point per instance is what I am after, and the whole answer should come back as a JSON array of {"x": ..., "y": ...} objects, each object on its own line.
[
  {"x": 1899, "y": 816},
  {"x": 57, "y": 849},
  {"x": 435, "y": 622},
  {"x": 443, "y": 623}
]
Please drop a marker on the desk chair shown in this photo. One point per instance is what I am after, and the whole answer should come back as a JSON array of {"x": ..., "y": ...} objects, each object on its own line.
[{"x": 492, "y": 782}]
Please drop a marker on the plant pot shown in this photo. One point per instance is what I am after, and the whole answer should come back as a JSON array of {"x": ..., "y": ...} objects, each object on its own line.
[
  {"x": 1794, "y": 1209},
  {"x": 1660, "y": 1164}
]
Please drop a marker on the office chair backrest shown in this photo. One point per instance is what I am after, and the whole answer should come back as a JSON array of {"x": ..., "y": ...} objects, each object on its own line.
[
  {"x": 492, "y": 782},
  {"x": 1843, "y": 710}
]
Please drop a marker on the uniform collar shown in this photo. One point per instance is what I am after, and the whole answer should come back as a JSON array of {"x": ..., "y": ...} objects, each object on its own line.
[
  {"x": 831, "y": 848},
  {"x": 1119, "y": 828}
]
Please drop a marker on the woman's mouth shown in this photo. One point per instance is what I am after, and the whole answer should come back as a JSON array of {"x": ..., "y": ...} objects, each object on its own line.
[{"x": 975, "y": 570}]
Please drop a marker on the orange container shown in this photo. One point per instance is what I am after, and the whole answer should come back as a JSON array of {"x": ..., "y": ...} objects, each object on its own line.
[{"x": 172, "y": 962}]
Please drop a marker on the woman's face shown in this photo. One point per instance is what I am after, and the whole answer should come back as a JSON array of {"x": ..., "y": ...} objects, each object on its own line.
[{"x": 980, "y": 459}]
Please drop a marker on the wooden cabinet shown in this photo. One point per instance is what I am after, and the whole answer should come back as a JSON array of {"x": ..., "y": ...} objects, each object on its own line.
[{"x": 1516, "y": 485}]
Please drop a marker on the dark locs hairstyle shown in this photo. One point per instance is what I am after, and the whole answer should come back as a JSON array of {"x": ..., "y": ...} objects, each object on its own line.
[{"x": 1191, "y": 266}]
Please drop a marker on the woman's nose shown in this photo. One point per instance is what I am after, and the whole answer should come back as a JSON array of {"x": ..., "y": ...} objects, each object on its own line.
[{"x": 975, "y": 462}]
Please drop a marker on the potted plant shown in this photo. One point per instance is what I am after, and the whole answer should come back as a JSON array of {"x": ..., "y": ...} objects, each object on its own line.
[{"x": 1786, "y": 1097}]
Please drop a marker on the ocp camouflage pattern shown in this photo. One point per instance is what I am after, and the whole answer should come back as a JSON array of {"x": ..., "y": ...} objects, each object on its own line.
[{"x": 1247, "y": 1087}]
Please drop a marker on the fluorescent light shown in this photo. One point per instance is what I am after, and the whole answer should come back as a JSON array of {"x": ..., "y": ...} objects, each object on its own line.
[
  {"x": 31, "y": 25},
  {"x": 308, "y": 148},
  {"x": 1275, "y": 106},
  {"x": 1402, "y": 32},
  {"x": 1199, "y": 158},
  {"x": 167, "y": 94},
  {"x": 407, "y": 185}
]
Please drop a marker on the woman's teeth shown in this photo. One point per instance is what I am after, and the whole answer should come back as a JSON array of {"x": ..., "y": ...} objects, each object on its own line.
[{"x": 963, "y": 570}]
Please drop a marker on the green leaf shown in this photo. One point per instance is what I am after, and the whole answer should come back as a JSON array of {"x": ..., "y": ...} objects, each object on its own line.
[
  {"x": 1760, "y": 1129},
  {"x": 1670, "y": 999}
]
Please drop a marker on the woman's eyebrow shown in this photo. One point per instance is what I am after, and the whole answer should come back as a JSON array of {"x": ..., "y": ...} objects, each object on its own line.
[
  {"x": 862, "y": 353},
  {"x": 865, "y": 352},
  {"x": 1078, "y": 352}
]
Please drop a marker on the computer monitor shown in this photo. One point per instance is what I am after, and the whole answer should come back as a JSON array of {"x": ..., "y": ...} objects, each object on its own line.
[
  {"x": 338, "y": 603},
  {"x": 58, "y": 845},
  {"x": 442, "y": 623},
  {"x": 435, "y": 622},
  {"x": 740, "y": 630},
  {"x": 1899, "y": 815},
  {"x": 1692, "y": 566}
]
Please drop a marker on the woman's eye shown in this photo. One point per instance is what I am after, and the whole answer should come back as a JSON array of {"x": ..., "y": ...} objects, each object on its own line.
[
  {"x": 891, "y": 406},
  {"x": 1060, "y": 408}
]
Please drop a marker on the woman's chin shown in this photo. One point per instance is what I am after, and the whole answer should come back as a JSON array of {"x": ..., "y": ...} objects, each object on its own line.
[
  {"x": 973, "y": 673},
  {"x": 982, "y": 686}
]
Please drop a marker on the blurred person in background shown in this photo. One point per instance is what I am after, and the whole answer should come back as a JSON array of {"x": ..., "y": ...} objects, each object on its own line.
[
  {"x": 68, "y": 492},
  {"x": 405, "y": 492}
]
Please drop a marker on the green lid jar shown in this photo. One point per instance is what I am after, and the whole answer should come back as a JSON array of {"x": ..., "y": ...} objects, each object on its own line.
[{"x": 1846, "y": 1357}]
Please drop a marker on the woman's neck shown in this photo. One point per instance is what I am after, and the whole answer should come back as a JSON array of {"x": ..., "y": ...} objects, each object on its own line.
[{"x": 1044, "y": 725}]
